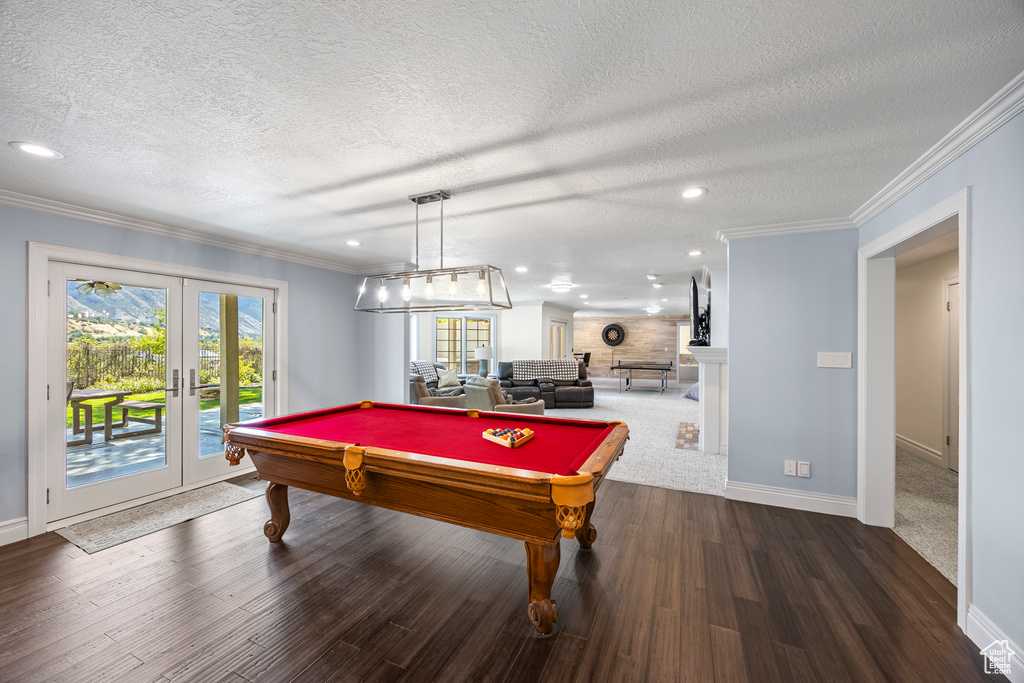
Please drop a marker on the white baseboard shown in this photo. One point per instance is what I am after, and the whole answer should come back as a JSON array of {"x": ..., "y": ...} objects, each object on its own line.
[
  {"x": 983, "y": 633},
  {"x": 13, "y": 530},
  {"x": 789, "y": 498},
  {"x": 920, "y": 450}
]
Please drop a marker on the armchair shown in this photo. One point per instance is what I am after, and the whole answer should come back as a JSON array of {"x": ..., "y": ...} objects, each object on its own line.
[
  {"x": 420, "y": 394},
  {"x": 483, "y": 393}
]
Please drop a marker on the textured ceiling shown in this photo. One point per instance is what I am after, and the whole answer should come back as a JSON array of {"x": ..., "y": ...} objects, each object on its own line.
[{"x": 565, "y": 131}]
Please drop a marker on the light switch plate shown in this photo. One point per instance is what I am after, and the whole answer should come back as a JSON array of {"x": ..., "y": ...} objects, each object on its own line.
[
  {"x": 803, "y": 469},
  {"x": 835, "y": 359}
]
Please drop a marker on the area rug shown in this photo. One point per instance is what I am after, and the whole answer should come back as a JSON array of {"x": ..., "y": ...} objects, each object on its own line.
[
  {"x": 926, "y": 510},
  {"x": 689, "y": 436},
  {"x": 105, "y": 532},
  {"x": 651, "y": 457}
]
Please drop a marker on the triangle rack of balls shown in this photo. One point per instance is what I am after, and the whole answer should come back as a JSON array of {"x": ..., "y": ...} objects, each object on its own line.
[{"x": 509, "y": 437}]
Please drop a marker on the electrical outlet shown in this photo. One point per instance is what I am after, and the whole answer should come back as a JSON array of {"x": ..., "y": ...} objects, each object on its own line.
[
  {"x": 803, "y": 469},
  {"x": 790, "y": 468}
]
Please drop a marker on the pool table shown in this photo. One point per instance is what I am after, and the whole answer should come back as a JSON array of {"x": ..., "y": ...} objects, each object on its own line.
[{"x": 434, "y": 462}]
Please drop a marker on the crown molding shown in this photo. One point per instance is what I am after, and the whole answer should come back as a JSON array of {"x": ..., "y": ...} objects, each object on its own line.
[
  {"x": 381, "y": 268},
  {"x": 999, "y": 109},
  {"x": 795, "y": 228},
  {"x": 65, "y": 210}
]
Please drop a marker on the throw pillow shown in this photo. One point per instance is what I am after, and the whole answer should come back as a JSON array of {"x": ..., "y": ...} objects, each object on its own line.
[
  {"x": 448, "y": 378},
  {"x": 693, "y": 392},
  {"x": 523, "y": 401}
]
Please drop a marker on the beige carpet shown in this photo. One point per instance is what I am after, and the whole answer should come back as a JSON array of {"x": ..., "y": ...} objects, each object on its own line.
[
  {"x": 105, "y": 532},
  {"x": 651, "y": 457},
  {"x": 926, "y": 510}
]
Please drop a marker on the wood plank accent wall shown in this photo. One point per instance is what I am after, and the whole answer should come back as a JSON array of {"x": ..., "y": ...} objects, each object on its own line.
[{"x": 647, "y": 337}]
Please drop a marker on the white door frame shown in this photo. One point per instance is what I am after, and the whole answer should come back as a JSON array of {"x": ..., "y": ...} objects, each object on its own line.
[
  {"x": 946, "y": 398},
  {"x": 876, "y": 487},
  {"x": 39, "y": 257}
]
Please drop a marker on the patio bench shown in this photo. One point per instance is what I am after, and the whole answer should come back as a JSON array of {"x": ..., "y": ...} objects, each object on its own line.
[{"x": 126, "y": 407}]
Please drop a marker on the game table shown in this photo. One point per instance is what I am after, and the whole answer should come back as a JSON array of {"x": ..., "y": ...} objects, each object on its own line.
[
  {"x": 434, "y": 462},
  {"x": 625, "y": 369}
]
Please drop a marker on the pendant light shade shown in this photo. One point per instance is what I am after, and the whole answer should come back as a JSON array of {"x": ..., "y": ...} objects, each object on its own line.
[{"x": 485, "y": 291}]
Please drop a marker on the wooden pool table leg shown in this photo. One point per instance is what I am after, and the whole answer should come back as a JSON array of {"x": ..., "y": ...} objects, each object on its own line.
[
  {"x": 280, "y": 517},
  {"x": 587, "y": 533},
  {"x": 542, "y": 565}
]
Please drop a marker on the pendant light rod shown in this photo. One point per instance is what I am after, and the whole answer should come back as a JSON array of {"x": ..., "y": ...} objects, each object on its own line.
[{"x": 429, "y": 198}]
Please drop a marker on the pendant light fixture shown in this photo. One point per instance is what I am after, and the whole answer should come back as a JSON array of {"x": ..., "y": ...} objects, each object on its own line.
[{"x": 417, "y": 285}]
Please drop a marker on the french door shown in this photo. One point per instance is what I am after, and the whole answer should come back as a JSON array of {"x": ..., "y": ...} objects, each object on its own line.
[{"x": 143, "y": 370}]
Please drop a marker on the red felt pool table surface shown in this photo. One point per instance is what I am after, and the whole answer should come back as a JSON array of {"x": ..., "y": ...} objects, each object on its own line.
[{"x": 559, "y": 446}]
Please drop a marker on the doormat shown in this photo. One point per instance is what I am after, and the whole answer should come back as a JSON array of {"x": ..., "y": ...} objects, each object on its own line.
[
  {"x": 110, "y": 530},
  {"x": 689, "y": 436}
]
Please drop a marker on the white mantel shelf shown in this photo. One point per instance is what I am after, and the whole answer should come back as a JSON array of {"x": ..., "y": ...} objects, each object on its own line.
[
  {"x": 714, "y": 397},
  {"x": 709, "y": 354}
]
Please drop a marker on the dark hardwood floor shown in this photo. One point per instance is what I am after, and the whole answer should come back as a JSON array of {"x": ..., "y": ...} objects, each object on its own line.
[{"x": 678, "y": 586}]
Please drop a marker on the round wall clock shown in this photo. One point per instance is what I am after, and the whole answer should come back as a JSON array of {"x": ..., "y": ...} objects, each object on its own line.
[{"x": 613, "y": 334}]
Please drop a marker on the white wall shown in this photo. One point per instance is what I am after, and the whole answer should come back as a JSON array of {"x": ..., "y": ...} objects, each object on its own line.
[
  {"x": 994, "y": 169},
  {"x": 519, "y": 332},
  {"x": 920, "y": 351},
  {"x": 322, "y": 347}
]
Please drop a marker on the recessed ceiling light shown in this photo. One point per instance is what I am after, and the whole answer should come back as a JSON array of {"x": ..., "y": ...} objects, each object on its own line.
[
  {"x": 652, "y": 276},
  {"x": 657, "y": 285},
  {"x": 696, "y": 252},
  {"x": 36, "y": 150},
  {"x": 587, "y": 303},
  {"x": 353, "y": 243},
  {"x": 694, "y": 192},
  {"x": 521, "y": 269},
  {"x": 664, "y": 299},
  {"x": 583, "y": 296}
]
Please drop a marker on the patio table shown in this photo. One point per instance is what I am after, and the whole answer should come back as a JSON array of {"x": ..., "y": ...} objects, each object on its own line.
[{"x": 76, "y": 399}]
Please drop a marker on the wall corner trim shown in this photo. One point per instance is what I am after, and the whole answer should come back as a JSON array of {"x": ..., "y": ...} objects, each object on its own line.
[
  {"x": 795, "y": 228},
  {"x": 790, "y": 498},
  {"x": 983, "y": 633},
  {"x": 999, "y": 109},
  {"x": 13, "y": 530}
]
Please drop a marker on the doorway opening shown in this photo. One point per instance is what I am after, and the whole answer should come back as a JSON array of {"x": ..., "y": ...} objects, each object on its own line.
[
  {"x": 876, "y": 374},
  {"x": 926, "y": 392}
]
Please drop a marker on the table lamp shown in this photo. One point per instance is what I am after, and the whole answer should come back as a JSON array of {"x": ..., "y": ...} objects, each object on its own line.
[{"x": 483, "y": 354}]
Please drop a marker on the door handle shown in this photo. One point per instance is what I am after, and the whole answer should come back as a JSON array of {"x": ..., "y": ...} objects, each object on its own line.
[
  {"x": 174, "y": 385},
  {"x": 192, "y": 386}
]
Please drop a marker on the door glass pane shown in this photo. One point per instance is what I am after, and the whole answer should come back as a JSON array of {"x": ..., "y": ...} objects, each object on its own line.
[
  {"x": 230, "y": 373},
  {"x": 478, "y": 333},
  {"x": 116, "y": 374},
  {"x": 449, "y": 342}
]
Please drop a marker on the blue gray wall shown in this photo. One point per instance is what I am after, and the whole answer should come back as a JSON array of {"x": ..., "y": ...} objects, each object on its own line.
[
  {"x": 994, "y": 169},
  {"x": 790, "y": 297},
  {"x": 323, "y": 327}
]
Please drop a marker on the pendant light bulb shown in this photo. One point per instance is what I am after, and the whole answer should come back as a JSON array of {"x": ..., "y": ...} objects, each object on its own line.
[
  {"x": 406, "y": 290},
  {"x": 382, "y": 295},
  {"x": 428, "y": 290},
  {"x": 481, "y": 285},
  {"x": 453, "y": 288}
]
